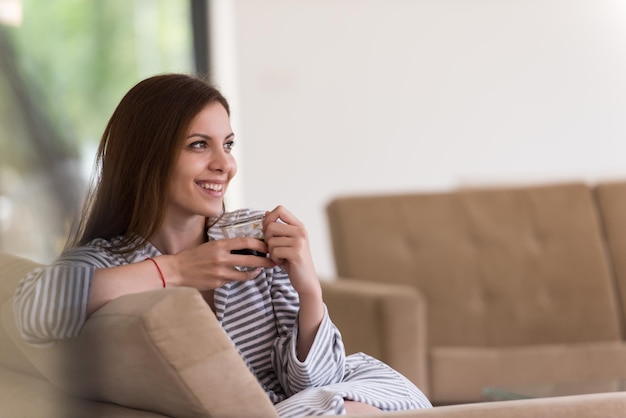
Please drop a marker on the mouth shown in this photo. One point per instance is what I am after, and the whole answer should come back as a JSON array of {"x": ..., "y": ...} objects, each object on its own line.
[{"x": 216, "y": 187}]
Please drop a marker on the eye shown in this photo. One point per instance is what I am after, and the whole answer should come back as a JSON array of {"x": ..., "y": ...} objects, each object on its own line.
[
  {"x": 229, "y": 145},
  {"x": 199, "y": 145}
]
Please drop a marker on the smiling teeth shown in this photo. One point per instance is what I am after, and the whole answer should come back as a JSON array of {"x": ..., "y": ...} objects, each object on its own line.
[{"x": 211, "y": 186}]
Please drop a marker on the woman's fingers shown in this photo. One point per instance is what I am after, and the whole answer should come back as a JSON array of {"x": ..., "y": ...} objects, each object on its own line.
[
  {"x": 213, "y": 264},
  {"x": 288, "y": 245},
  {"x": 286, "y": 238},
  {"x": 280, "y": 215},
  {"x": 246, "y": 252}
]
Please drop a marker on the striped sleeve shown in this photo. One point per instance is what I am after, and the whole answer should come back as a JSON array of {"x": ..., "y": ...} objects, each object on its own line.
[
  {"x": 50, "y": 303},
  {"x": 325, "y": 362}
]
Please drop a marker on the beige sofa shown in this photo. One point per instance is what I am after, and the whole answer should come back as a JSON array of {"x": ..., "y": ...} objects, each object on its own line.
[
  {"x": 511, "y": 286},
  {"x": 162, "y": 353}
]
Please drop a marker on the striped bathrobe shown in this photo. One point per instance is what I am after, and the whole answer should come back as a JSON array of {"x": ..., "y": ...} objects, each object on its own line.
[{"x": 259, "y": 315}]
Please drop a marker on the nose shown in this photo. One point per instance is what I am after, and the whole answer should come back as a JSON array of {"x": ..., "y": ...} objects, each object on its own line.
[{"x": 222, "y": 161}]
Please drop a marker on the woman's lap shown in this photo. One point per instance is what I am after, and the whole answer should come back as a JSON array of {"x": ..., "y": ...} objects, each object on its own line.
[{"x": 366, "y": 380}]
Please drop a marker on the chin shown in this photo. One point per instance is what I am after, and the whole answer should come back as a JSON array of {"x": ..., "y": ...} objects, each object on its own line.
[{"x": 213, "y": 212}]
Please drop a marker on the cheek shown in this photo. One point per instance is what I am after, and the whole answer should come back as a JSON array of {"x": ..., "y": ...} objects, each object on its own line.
[
  {"x": 233, "y": 170},
  {"x": 184, "y": 173}
]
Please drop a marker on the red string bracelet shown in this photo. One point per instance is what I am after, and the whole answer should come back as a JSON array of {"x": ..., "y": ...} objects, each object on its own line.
[{"x": 159, "y": 270}]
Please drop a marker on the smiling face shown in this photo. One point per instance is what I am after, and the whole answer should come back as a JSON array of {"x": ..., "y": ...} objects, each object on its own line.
[{"x": 204, "y": 167}]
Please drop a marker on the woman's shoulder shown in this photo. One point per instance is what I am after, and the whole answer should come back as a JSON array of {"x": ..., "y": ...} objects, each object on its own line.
[
  {"x": 101, "y": 252},
  {"x": 97, "y": 245}
]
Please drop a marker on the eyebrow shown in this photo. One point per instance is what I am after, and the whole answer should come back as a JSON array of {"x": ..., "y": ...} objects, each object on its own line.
[{"x": 208, "y": 138}]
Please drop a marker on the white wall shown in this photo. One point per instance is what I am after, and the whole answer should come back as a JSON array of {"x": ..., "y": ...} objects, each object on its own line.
[{"x": 336, "y": 97}]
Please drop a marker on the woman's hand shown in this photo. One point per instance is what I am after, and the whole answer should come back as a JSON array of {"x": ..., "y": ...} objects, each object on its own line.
[
  {"x": 212, "y": 265},
  {"x": 288, "y": 244},
  {"x": 205, "y": 267}
]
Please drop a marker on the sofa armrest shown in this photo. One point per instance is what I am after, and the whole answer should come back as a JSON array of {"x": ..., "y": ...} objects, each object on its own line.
[
  {"x": 386, "y": 321},
  {"x": 595, "y": 405},
  {"x": 161, "y": 351}
]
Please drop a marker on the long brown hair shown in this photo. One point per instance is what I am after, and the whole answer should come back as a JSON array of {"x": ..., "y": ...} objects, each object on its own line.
[{"x": 134, "y": 161}]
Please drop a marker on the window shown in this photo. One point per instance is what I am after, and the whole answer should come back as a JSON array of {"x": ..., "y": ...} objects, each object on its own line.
[{"x": 64, "y": 66}]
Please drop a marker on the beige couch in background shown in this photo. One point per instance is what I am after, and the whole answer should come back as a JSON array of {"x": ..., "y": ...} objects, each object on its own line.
[
  {"x": 503, "y": 286},
  {"x": 162, "y": 353}
]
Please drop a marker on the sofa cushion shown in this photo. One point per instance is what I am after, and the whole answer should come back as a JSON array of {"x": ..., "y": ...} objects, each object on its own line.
[
  {"x": 460, "y": 374},
  {"x": 161, "y": 351},
  {"x": 25, "y": 396}
]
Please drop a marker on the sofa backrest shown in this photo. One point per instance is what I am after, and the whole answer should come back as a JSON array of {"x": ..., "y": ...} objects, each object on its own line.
[
  {"x": 611, "y": 198},
  {"x": 497, "y": 266},
  {"x": 161, "y": 351},
  {"x": 12, "y": 269}
]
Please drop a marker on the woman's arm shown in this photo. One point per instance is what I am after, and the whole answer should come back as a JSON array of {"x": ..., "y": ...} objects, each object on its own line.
[
  {"x": 112, "y": 282},
  {"x": 54, "y": 302},
  {"x": 309, "y": 319},
  {"x": 288, "y": 245},
  {"x": 309, "y": 352},
  {"x": 51, "y": 302},
  {"x": 325, "y": 361}
]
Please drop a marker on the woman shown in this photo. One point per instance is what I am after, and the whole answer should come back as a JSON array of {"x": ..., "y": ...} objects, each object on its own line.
[{"x": 153, "y": 220}]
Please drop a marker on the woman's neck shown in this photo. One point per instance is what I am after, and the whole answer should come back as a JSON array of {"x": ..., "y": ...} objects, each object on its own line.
[{"x": 172, "y": 239}]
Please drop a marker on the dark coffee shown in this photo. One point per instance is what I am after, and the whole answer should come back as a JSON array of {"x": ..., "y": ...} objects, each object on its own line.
[{"x": 247, "y": 251}]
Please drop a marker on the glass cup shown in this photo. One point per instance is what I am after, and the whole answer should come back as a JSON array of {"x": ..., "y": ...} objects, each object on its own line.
[{"x": 247, "y": 227}]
